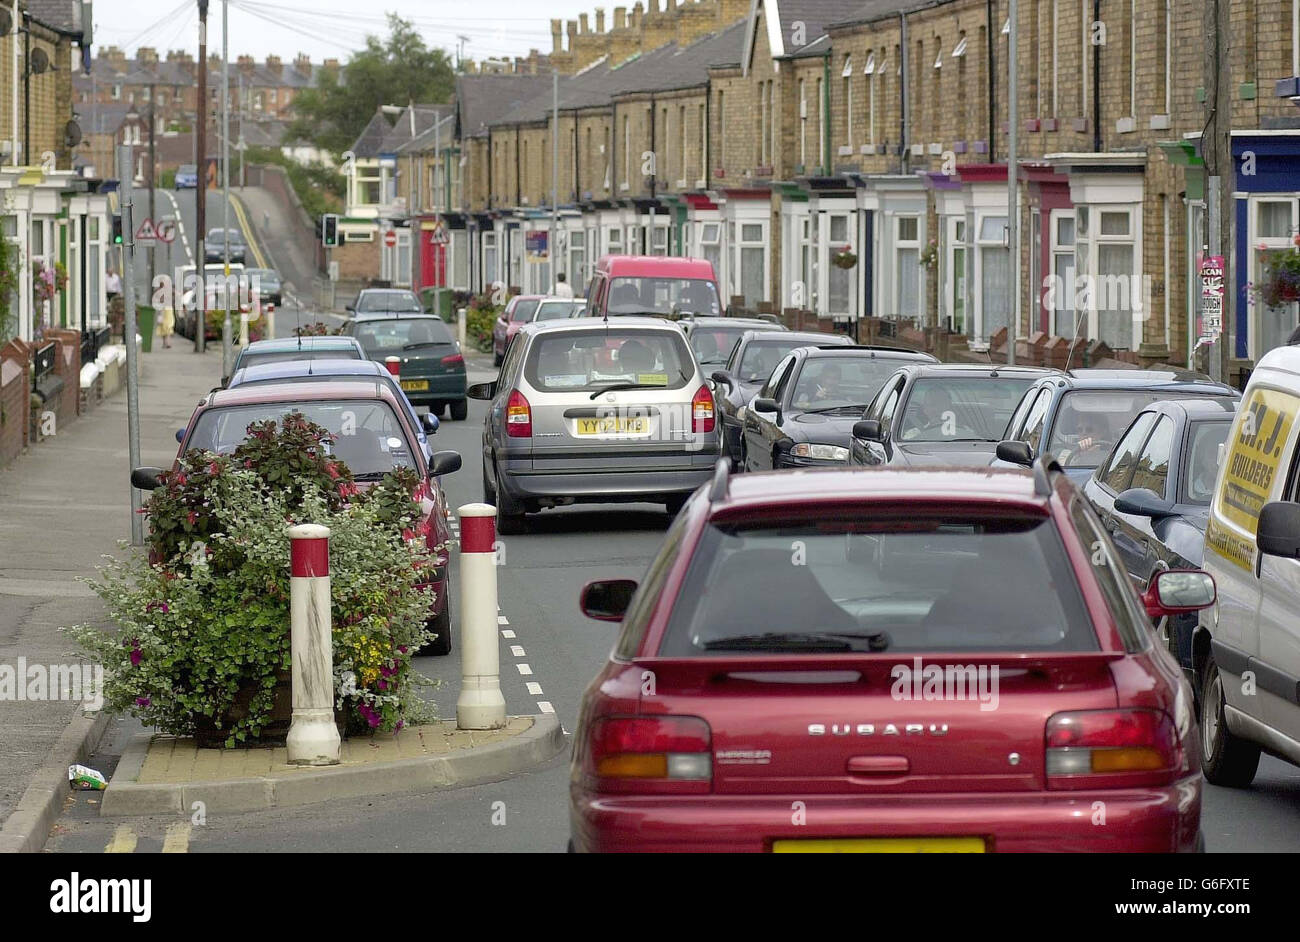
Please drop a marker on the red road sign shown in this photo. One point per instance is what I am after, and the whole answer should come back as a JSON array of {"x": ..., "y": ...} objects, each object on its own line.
[
  {"x": 146, "y": 232},
  {"x": 439, "y": 236},
  {"x": 390, "y": 238}
]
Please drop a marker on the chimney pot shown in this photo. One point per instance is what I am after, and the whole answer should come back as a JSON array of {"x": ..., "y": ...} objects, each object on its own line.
[
  {"x": 620, "y": 18},
  {"x": 600, "y": 21}
]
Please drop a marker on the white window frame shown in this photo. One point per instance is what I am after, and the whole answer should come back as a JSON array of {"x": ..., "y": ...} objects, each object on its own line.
[
  {"x": 1057, "y": 249},
  {"x": 736, "y": 252},
  {"x": 898, "y": 242},
  {"x": 803, "y": 124},
  {"x": 979, "y": 243},
  {"x": 827, "y": 246},
  {"x": 1256, "y": 241},
  {"x": 870, "y": 71},
  {"x": 1094, "y": 240},
  {"x": 847, "y": 75},
  {"x": 956, "y": 241}
]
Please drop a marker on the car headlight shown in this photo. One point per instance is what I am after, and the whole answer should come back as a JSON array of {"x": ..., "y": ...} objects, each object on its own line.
[{"x": 824, "y": 452}]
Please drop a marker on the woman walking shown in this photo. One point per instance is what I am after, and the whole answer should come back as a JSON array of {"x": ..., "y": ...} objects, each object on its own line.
[{"x": 167, "y": 326}]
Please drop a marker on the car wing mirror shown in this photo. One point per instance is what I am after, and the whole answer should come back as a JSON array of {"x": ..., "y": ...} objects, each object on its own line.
[
  {"x": 723, "y": 378},
  {"x": 607, "y": 599},
  {"x": 869, "y": 430},
  {"x": 444, "y": 462},
  {"x": 1142, "y": 502},
  {"x": 146, "y": 479},
  {"x": 430, "y": 422},
  {"x": 1278, "y": 533},
  {"x": 482, "y": 391},
  {"x": 180, "y": 436},
  {"x": 1015, "y": 452},
  {"x": 1176, "y": 591}
]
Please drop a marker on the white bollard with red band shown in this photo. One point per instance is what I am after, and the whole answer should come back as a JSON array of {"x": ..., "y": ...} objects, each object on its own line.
[
  {"x": 480, "y": 705},
  {"x": 313, "y": 737}
]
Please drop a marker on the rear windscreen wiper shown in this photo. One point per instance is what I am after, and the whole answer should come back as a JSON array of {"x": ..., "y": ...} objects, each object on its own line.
[
  {"x": 802, "y": 641},
  {"x": 618, "y": 386}
]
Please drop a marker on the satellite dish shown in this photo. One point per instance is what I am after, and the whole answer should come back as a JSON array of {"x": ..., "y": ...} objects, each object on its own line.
[
  {"x": 6, "y": 22},
  {"x": 71, "y": 134},
  {"x": 40, "y": 61}
]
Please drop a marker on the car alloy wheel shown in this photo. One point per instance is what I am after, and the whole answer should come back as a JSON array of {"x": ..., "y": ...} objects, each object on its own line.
[{"x": 1227, "y": 759}]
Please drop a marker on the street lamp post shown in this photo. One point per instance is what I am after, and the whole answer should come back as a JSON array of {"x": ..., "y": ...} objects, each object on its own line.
[
  {"x": 227, "y": 353},
  {"x": 1013, "y": 202},
  {"x": 201, "y": 184}
]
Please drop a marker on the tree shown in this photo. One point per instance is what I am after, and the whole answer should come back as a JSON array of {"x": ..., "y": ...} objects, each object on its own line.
[{"x": 396, "y": 70}]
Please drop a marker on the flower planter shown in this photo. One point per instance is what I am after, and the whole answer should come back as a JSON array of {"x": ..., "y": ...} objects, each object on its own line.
[
  {"x": 209, "y": 735},
  {"x": 845, "y": 261}
]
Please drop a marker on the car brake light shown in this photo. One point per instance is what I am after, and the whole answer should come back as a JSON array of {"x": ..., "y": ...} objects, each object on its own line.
[
  {"x": 1112, "y": 748},
  {"x": 702, "y": 410},
  {"x": 671, "y": 748},
  {"x": 453, "y": 359},
  {"x": 519, "y": 416}
]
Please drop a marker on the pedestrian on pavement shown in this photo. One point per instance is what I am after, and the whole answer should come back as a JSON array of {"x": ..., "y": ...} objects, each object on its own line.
[
  {"x": 166, "y": 325},
  {"x": 562, "y": 288},
  {"x": 113, "y": 284}
]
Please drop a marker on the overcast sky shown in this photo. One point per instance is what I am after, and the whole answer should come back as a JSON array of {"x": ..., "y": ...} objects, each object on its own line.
[{"x": 333, "y": 28}]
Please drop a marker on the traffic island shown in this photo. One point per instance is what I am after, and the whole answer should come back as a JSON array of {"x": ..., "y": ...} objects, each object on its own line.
[{"x": 161, "y": 774}]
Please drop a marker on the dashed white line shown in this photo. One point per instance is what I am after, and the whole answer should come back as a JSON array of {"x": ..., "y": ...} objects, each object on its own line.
[
  {"x": 517, "y": 650},
  {"x": 502, "y": 620},
  {"x": 524, "y": 669},
  {"x": 507, "y": 633},
  {"x": 534, "y": 689},
  {"x": 545, "y": 706}
]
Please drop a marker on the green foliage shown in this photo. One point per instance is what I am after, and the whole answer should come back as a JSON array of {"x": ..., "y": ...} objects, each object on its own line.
[
  {"x": 167, "y": 180},
  {"x": 206, "y": 618},
  {"x": 319, "y": 188},
  {"x": 317, "y": 329},
  {"x": 395, "y": 70},
  {"x": 9, "y": 269},
  {"x": 480, "y": 318}
]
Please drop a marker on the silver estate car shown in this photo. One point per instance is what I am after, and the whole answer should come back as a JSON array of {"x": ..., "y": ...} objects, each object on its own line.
[{"x": 586, "y": 411}]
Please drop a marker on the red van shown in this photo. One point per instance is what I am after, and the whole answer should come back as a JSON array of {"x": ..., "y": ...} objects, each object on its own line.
[{"x": 652, "y": 284}]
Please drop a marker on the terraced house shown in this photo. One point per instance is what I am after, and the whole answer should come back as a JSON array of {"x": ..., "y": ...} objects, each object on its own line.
[{"x": 849, "y": 157}]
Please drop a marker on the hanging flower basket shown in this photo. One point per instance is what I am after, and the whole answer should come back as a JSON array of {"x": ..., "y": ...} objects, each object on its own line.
[
  {"x": 930, "y": 257},
  {"x": 844, "y": 259},
  {"x": 1280, "y": 281}
]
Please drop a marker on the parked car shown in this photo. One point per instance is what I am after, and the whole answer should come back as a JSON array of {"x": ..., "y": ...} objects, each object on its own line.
[
  {"x": 381, "y": 436},
  {"x": 547, "y": 441},
  {"x": 518, "y": 311},
  {"x": 386, "y": 301},
  {"x": 432, "y": 365},
  {"x": 1252, "y": 548},
  {"x": 327, "y": 371},
  {"x": 780, "y": 686},
  {"x": 940, "y": 414},
  {"x": 652, "y": 284},
  {"x": 752, "y": 361},
  {"x": 268, "y": 285},
  {"x": 214, "y": 246},
  {"x": 804, "y": 416},
  {"x": 1077, "y": 416},
  {"x": 211, "y": 297},
  {"x": 296, "y": 348},
  {"x": 552, "y": 309},
  {"x": 1153, "y": 494},
  {"x": 713, "y": 338},
  {"x": 187, "y": 177}
]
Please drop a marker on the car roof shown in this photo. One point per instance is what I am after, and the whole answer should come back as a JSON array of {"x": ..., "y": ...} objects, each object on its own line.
[
  {"x": 981, "y": 369},
  {"x": 294, "y": 392},
  {"x": 747, "y": 323},
  {"x": 262, "y": 372},
  {"x": 1188, "y": 380},
  {"x": 393, "y": 315},
  {"x": 817, "y": 351},
  {"x": 655, "y": 265},
  {"x": 801, "y": 487},
  {"x": 814, "y": 337},
  {"x": 594, "y": 324},
  {"x": 280, "y": 344},
  {"x": 1202, "y": 407}
]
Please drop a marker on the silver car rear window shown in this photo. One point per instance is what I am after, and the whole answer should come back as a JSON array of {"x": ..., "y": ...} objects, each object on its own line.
[{"x": 591, "y": 360}]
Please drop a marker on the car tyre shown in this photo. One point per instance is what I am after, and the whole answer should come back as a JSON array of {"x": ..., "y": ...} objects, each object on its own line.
[
  {"x": 511, "y": 519},
  {"x": 460, "y": 410},
  {"x": 441, "y": 645},
  {"x": 674, "y": 505},
  {"x": 489, "y": 491},
  {"x": 1226, "y": 759}
]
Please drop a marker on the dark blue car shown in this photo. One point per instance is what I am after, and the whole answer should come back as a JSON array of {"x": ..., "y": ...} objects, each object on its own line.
[{"x": 1153, "y": 494}]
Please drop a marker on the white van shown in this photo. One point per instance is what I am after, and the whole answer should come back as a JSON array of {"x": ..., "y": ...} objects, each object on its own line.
[{"x": 1246, "y": 649}]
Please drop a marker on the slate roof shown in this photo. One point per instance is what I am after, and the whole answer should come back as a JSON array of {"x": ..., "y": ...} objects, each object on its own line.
[
  {"x": 63, "y": 15},
  {"x": 866, "y": 11},
  {"x": 484, "y": 99},
  {"x": 816, "y": 15}
]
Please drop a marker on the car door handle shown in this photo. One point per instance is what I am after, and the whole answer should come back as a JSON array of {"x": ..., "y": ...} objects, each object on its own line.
[{"x": 878, "y": 765}]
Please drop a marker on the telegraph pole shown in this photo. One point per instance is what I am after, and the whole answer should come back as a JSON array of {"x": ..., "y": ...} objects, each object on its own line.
[
  {"x": 125, "y": 170},
  {"x": 201, "y": 189},
  {"x": 1013, "y": 202},
  {"x": 555, "y": 178},
  {"x": 1216, "y": 151},
  {"x": 153, "y": 182},
  {"x": 227, "y": 353}
]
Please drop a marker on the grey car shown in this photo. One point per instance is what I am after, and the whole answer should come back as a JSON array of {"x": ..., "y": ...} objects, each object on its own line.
[{"x": 586, "y": 411}]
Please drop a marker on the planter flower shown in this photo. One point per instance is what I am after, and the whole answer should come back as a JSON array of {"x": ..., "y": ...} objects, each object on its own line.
[
  {"x": 930, "y": 257},
  {"x": 202, "y": 646},
  {"x": 1279, "y": 282}
]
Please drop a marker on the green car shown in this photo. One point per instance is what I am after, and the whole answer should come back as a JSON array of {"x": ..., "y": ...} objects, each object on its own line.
[{"x": 432, "y": 368}]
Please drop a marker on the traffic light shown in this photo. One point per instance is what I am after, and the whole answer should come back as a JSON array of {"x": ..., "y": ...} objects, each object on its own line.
[
  {"x": 117, "y": 229},
  {"x": 329, "y": 229}
]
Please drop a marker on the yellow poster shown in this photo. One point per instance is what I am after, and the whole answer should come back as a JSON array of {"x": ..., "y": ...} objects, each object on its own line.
[{"x": 1259, "y": 438}]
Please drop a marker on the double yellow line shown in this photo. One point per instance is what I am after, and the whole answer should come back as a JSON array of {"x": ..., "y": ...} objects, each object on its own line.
[
  {"x": 177, "y": 840},
  {"x": 248, "y": 231}
]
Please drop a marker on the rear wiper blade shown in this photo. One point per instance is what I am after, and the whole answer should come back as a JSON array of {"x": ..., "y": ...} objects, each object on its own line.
[
  {"x": 835, "y": 409},
  {"x": 618, "y": 386},
  {"x": 804, "y": 641},
  {"x": 428, "y": 343}
]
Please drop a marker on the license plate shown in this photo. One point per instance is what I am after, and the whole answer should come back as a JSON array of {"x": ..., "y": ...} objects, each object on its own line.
[
  {"x": 613, "y": 425},
  {"x": 415, "y": 385},
  {"x": 883, "y": 845}
]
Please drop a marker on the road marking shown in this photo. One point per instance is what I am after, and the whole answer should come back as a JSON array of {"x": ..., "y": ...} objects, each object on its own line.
[
  {"x": 525, "y": 669},
  {"x": 516, "y": 650},
  {"x": 180, "y": 226},
  {"x": 123, "y": 842},
  {"x": 545, "y": 706},
  {"x": 177, "y": 840},
  {"x": 248, "y": 231},
  {"x": 507, "y": 633},
  {"x": 534, "y": 689},
  {"x": 502, "y": 620}
]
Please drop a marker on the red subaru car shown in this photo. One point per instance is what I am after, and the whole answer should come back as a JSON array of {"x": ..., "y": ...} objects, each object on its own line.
[
  {"x": 381, "y": 436},
  {"x": 519, "y": 310},
  {"x": 882, "y": 660}
]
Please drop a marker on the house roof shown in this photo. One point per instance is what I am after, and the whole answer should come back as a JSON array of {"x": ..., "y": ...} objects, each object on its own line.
[
  {"x": 788, "y": 19},
  {"x": 412, "y": 122},
  {"x": 484, "y": 99},
  {"x": 63, "y": 15},
  {"x": 369, "y": 143}
]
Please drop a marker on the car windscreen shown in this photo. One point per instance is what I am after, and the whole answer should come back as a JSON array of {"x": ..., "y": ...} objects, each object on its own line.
[
  {"x": 385, "y": 337},
  {"x": 399, "y": 301},
  {"x": 713, "y": 345},
  {"x": 840, "y": 383},
  {"x": 1201, "y": 466},
  {"x": 663, "y": 296},
  {"x": 589, "y": 360},
  {"x": 556, "y": 310},
  {"x": 960, "y": 408},
  {"x": 218, "y": 236},
  {"x": 286, "y": 356},
  {"x": 524, "y": 310},
  {"x": 368, "y": 437},
  {"x": 1090, "y": 421},
  {"x": 891, "y": 581}
]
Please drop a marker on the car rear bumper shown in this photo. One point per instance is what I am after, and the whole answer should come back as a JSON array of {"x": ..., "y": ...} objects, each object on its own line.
[
  {"x": 600, "y": 486},
  {"x": 1154, "y": 820},
  {"x": 441, "y": 389}
]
